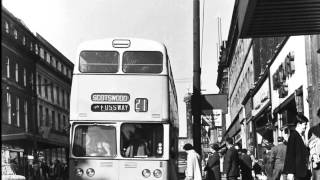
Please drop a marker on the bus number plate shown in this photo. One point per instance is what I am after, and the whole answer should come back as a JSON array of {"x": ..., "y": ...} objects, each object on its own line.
[
  {"x": 141, "y": 105},
  {"x": 110, "y": 107}
]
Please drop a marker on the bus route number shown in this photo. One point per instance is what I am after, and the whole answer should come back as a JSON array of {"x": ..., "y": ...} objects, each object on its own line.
[{"x": 141, "y": 104}]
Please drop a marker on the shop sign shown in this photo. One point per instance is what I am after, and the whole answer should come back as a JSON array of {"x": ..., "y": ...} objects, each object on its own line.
[
  {"x": 282, "y": 74},
  {"x": 261, "y": 98},
  {"x": 237, "y": 138},
  {"x": 217, "y": 117}
]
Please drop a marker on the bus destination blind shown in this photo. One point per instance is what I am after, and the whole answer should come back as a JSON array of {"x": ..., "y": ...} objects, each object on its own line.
[{"x": 110, "y": 107}]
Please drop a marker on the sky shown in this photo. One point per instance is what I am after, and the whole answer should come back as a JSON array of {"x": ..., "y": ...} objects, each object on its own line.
[{"x": 67, "y": 23}]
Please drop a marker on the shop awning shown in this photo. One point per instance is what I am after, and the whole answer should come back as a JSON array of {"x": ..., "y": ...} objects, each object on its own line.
[
  {"x": 18, "y": 136},
  {"x": 261, "y": 18}
]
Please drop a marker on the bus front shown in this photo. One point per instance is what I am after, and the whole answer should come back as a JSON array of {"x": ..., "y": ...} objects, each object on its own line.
[{"x": 119, "y": 111}]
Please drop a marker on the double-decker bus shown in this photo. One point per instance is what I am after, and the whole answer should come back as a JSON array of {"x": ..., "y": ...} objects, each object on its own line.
[{"x": 123, "y": 112}]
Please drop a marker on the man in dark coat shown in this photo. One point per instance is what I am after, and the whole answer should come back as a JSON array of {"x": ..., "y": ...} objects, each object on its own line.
[
  {"x": 296, "y": 161},
  {"x": 278, "y": 155},
  {"x": 245, "y": 165},
  {"x": 231, "y": 161},
  {"x": 213, "y": 164}
]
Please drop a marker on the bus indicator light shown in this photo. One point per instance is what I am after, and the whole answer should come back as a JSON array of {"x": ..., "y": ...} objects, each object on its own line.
[
  {"x": 79, "y": 172},
  {"x": 146, "y": 173},
  {"x": 157, "y": 173},
  {"x": 90, "y": 172},
  {"x": 121, "y": 43},
  {"x": 141, "y": 105}
]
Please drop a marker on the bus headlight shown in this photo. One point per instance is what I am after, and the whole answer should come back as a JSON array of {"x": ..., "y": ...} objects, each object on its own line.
[
  {"x": 146, "y": 173},
  {"x": 90, "y": 172},
  {"x": 79, "y": 172},
  {"x": 157, "y": 173}
]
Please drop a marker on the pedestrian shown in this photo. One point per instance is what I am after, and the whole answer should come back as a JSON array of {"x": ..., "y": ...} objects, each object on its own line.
[
  {"x": 231, "y": 161},
  {"x": 58, "y": 170},
  {"x": 44, "y": 169},
  {"x": 245, "y": 165},
  {"x": 52, "y": 171},
  {"x": 296, "y": 161},
  {"x": 278, "y": 155},
  {"x": 314, "y": 145},
  {"x": 267, "y": 164},
  {"x": 193, "y": 171},
  {"x": 213, "y": 164}
]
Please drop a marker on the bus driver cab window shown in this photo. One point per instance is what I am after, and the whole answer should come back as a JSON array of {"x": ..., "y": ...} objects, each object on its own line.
[{"x": 94, "y": 141}]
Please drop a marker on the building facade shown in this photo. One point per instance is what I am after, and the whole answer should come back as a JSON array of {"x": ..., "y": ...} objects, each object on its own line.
[
  {"x": 270, "y": 80},
  {"x": 36, "y": 82}
]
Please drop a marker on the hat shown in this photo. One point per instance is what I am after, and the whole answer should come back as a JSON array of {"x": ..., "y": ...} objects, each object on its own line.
[
  {"x": 215, "y": 146},
  {"x": 187, "y": 147},
  {"x": 300, "y": 118}
]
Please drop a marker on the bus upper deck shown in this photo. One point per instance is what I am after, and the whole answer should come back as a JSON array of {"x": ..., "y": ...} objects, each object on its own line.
[{"x": 127, "y": 79}]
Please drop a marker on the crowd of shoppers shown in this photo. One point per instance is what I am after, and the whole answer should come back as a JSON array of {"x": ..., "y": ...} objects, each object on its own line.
[
  {"x": 293, "y": 158},
  {"x": 48, "y": 171}
]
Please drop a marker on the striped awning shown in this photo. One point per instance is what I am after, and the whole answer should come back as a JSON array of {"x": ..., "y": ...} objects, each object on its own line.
[{"x": 262, "y": 18}]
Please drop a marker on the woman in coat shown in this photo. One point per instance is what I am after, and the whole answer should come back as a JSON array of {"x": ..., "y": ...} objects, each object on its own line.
[{"x": 213, "y": 164}]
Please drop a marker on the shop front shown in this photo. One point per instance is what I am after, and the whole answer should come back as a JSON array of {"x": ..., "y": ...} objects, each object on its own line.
[
  {"x": 288, "y": 75},
  {"x": 263, "y": 124}
]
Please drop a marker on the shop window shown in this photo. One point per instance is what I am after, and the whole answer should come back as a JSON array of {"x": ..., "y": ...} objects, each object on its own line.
[
  {"x": 6, "y": 26},
  {"x": 8, "y": 67},
  {"x": 17, "y": 73},
  {"x": 45, "y": 88},
  {"x": 36, "y": 50},
  {"x": 59, "y": 66},
  {"x": 26, "y": 115},
  {"x": 59, "y": 122},
  {"x": 18, "y": 111},
  {"x": 24, "y": 40},
  {"x": 42, "y": 53},
  {"x": 58, "y": 96},
  {"x": 9, "y": 107},
  {"x": 15, "y": 34},
  {"x": 53, "y": 119},
  {"x": 63, "y": 123},
  {"x": 40, "y": 116},
  {"x": 52, "y": 93},
  {"x": 47, "y": 117},
  {"x": 53, "y": 61},
  {"x": 48, "y": 58},
  {"x": 62, "y": 97},
  {"x": 38, "y": 86},
  {"x": 24, "y": 77}
]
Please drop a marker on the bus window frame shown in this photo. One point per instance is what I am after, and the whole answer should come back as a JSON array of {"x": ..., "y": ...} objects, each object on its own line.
[
  {"x": 163, "y": 59},
  {"x": 94, "y": 124},
  {"x": 161, "y": 157},
  {"x": 118, "y": 61}
]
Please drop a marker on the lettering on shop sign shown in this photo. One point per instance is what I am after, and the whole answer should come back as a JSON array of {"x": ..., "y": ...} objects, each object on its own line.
[
  {"x": 284, "y": 72},
  {"x": 110, "y": 107},
  {"x": 110, "y": 97}
]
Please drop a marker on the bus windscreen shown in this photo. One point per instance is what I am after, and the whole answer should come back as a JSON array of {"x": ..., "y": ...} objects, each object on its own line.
[
  {"x": 142, "y": 62},
  {"x": 99, "y": 61},
  {"x": 94, "y": 141},
  {"x": 141, "y": 140}
]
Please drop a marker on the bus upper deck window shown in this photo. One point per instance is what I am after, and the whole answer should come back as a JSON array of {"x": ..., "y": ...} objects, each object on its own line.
[
  {"x": 142, "y": 62},
  {"x": 99, "y": 61}
]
